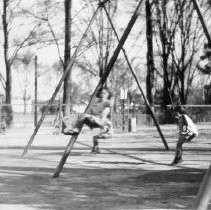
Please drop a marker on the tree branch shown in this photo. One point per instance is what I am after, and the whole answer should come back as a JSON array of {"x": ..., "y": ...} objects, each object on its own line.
[{"x": 20, "y": 46}]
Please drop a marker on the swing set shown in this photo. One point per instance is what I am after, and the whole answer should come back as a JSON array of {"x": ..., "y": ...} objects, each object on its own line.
[
  {"x": 102, "y": 81},
  {"x": 204, "y": 193}
]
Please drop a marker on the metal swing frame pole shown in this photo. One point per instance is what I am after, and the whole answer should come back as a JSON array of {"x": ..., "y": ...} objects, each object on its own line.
[
  {"x": 139, "y": 86},
  {"x": 100, "y": 84},
  {"x": 202, "y": 20},
  {"x": 204, "y": 193},
  {"x": 69, "y": 67}
]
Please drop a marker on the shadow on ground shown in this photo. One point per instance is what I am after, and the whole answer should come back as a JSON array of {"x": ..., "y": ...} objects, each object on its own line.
[
  {"x": 130, "y": 173},
  {"x": 100, "y": 188}
]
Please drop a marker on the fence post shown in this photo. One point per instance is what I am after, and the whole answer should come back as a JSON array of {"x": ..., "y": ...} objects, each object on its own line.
[
  {"x": 132, "y": 125},
  {"x": 60, "y": 115},
  {"x": 35, "y": 91},
  {"x": 0, "y": 115},
  {"x": 123, "y": 97},
  {"x": 123, "y": 116}
]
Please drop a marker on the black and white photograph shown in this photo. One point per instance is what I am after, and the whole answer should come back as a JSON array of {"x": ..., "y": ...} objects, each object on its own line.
[{"x": 105, "y": 104}]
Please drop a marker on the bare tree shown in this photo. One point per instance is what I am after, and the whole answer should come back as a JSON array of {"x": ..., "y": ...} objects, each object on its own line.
[
  {"x": 180, "y": 40},
  {"x": 99, "y": 42},
  {"x": 11, "y": 49},
  {"x": 150, "y": 57},
  {"x": 67, "y": 54},
  {"x": 166, "y": 22},
  {"x": 186, "y": 44},
  {"x": 23, "y": 64}
]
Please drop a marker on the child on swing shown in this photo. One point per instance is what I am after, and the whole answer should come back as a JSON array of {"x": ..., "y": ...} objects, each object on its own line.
[
  {"x": 98, "y": 117},
  {"x": 187, "y": 131}
]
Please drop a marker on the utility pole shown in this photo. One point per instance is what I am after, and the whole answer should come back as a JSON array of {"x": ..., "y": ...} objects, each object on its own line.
[{"x": 35, "y": 91}]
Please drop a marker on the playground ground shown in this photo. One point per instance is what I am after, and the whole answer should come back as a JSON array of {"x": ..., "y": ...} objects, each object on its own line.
[{"x": 131, "y": 172}]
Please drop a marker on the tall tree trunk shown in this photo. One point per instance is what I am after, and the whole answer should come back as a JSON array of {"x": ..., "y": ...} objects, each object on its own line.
[
  {"x": 162, "y": 24},
  {"x": 183, "y": 50},
  {"x": 8, "y": 86},
  {"x": 67, "y": 54},
  {"x": 166, "y": 85},
  {"x": 6, "y": 47},
  {"x": 182, "y": 88},
  {"x": 165, "y": 52},
  {"x": 101, "y": 40},
  {"x": 150, "y": 62}
]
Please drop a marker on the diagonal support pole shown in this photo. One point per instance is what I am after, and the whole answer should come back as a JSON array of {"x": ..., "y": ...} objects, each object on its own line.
[
  {"x": 139, "y": 86},
  {"x": 69, "y": 67},
  {"x": 101, "y": 82},
  {"x": 202, "y": 21},
  {"x": 204, "y": 193}
]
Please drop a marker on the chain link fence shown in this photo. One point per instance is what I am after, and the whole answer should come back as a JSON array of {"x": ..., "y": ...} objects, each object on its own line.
[{"x": 25, "y": 116}]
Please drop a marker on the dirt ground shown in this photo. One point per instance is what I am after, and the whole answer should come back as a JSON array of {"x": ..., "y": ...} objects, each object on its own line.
[{"x": 131, "y": 172}]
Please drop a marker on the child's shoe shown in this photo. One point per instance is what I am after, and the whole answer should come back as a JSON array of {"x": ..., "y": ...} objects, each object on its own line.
[
  {"x": 95, "y": 150},
  {"x": 176, "y": 161},
  {"x": 72, "y": 131}
]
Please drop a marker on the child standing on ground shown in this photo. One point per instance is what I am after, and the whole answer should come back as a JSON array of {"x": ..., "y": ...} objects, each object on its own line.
[{"x": 187, "y": 131}]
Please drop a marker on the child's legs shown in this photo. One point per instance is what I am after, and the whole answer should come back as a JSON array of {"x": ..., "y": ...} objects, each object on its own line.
[
  {"x": 95, "y": 122},
  {"x": 92, "y": 121},
  {"x": 82, "y": 119},
  {"x": 95, "y": 141},
  {"x": 89, "y": 120},
  {"x": 179, "y": 149},
  {"x": 95, "y": 148},
  {"x": 73, "y": 125}
]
